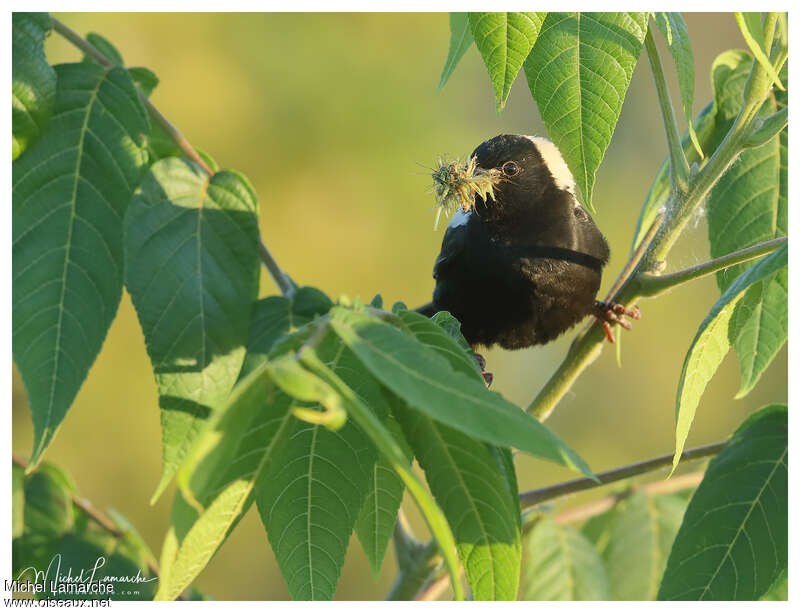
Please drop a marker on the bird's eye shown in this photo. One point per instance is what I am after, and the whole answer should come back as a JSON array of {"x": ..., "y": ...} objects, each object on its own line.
[{"x": 510, "y": 169}]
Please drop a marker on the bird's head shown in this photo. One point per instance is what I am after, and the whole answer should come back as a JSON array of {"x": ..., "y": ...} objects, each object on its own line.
[
  {"x": 535, "y": 177},
  {"x": 508, "y": 179}
]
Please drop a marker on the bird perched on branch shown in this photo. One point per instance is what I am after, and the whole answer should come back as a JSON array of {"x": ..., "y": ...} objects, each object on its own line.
[{"x": 521, "y": 260}]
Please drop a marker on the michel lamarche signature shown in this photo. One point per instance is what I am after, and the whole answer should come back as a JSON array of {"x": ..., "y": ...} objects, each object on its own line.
[{"x": 56, "y": 578}]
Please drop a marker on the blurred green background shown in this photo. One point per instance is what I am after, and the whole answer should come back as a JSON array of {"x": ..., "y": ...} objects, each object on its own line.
[{"x": 330, "y": 116}]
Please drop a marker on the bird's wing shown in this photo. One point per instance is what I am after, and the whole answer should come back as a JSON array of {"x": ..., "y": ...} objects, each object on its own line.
[{"x": 453, "y": 249}]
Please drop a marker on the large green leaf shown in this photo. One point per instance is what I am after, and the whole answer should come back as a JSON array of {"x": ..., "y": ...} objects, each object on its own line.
[
  {"x": 70, "y": 192},
  {"x": 426, "y": 380},
  {"x": 747, "y": 206},
  {"x": 642, "y": 531},
  {"x": 578, "y": 72},
  {"x": 733, "y": 543},
  {"x": 467, "y": 479},
  {"x": 191, "y": 247},
  {"x": 378, "y": 515},
  {"x": 33, "y": 80},
  {"x": 504, "y": 40},
  {"x": 711, "y": 343},
  {"x": 251, "y": 432},
  {"x": 496, "y": 554},
  {"x": 309, "y": 501},
  {"x": 335, "y": 394},
  {"x": 674, "y": 29},
  {"x": 460, "y": 40},
  {"x": 562, "y": 564}
]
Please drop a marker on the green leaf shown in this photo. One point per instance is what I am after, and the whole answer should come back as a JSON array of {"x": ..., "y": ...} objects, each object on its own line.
[
  {"x": 378, "y": 515},
  {"x": 57, "y": 531},
  {"x": 271, "y": 320},
  {"x": 711, "y": 344},
  {"x": 33, "y": 80},
  {"x": 504, "y": 40},
  {"x": 105, "y": 47},
  {"x": 70, "y": 192},
  {"x": 733, "y": 542},
  {"x": 391, "y": 450},
  {"x": 191, "y": 248},
  {"x": 642, "y": 531},
  {"x": 145, "y": 78},
  {"x": 275, "y": 317},
  {"x": 578, "y": 72},
  {"x": 467, "y": 479},
  {"x": 250, "y": 434},
  {"x": 460, "y": 40},
  {"x": 747, "y": 206},
  {"x": 674, "y": 29},
  {"x": 598, "y": 530},
  {"x": 759, "y": 327},
  {"x": 310, "y": 500},
  {"x": 49, "y": 512},
  {"x": 308, "y": 303},
  {"x": 429, "y": 384},
  {"x": 562, "y": 564},
  {"x": 434, "y": 335},
  {"x": 753, "y": 34},
  {"x": 453, "y": 327},
  {"x": 496, "y": 551}
]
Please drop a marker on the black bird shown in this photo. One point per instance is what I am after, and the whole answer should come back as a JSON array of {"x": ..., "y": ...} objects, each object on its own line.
[{"x": 523, "y": 267}]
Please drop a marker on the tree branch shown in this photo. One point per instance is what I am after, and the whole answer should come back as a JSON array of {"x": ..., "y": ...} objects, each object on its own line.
[
  {"x": 533, "y": 497},
  {"x": 281, "y": 279}
]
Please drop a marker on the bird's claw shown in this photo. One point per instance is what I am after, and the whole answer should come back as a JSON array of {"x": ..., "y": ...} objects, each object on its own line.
[
  {"x": 608, "y": 313},
  {"x": 487, "y": 376}
]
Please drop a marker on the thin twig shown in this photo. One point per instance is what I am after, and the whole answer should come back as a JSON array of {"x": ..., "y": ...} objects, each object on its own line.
[
  {"x": 281, "y": 279},
  {"x": 651, "y": 285},
  {"x": 533, "y": 497}
]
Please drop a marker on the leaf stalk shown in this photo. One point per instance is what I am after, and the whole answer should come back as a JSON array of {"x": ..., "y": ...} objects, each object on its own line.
[
  {"x": 679, "y": 167},
  {"x": 650, "y": 285}
]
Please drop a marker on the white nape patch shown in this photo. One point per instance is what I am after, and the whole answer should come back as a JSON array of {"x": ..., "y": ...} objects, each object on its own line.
[
  {"x": 459, "y": 219},
  {"x": 555, "y": 163}
]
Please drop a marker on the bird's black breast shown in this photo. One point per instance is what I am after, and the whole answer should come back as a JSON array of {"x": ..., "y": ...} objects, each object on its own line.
[{"x": 515, "y": 292}]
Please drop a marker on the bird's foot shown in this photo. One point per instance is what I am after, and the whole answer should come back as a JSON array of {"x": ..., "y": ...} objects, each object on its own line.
[
  {"x": 487, "y": 376},
  {"x": 608, "y": 313}
]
